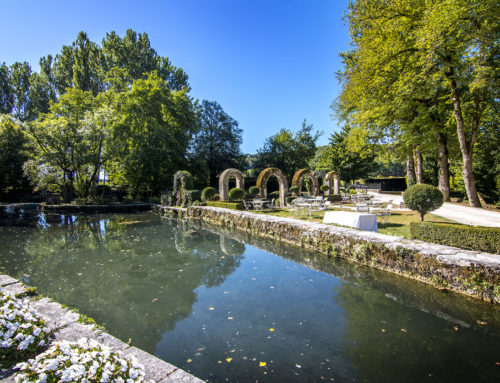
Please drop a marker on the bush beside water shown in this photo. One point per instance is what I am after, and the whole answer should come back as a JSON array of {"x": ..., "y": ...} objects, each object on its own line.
[{"x": 485, "y": 239}]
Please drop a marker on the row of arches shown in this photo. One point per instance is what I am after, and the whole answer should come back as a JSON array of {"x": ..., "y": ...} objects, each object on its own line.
[{"x": 331, "y": 179}]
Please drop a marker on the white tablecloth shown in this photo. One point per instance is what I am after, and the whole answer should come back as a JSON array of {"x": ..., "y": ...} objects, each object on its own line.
[{"x": 362, "y": 221}]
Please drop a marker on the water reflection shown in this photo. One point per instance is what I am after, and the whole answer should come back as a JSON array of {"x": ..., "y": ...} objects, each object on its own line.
[{"x": 132, "y": 276}]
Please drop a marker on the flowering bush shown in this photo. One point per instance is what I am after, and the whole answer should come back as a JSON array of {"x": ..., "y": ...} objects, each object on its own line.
[
  {"x": 84, "y": 361},
  {"x": 22, "y": 331}
]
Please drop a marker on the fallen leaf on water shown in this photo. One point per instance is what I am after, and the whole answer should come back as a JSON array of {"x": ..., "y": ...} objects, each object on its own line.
[
  {"x": 298, "y": 366},
  {"x": 271, "y": 329},
  {"x": 404, "y": 330},
  {"x": 211, "y": 308},
  {"x": 229, "y": 359},
  {"x": 154, "y": 300},
  {"x": 455, "y": 328},
  {"x": 219, "y": 361},
  {"x": 262, "y": 364},
  {"x": 481, "y": 323},
  {"x": 189, "y": 360},
  {"x": 383, "y": 330},
  {"x": 230, "y": 318}
]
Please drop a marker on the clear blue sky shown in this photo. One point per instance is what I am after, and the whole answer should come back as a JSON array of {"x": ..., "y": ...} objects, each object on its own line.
[{"x": 270, "y": 64}]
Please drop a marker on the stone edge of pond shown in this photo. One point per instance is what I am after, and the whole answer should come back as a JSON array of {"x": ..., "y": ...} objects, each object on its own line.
[
  {"x": 69, "y": 325},
  {"x": 119, "y": 208},
  {"x": 467, "y": 272}
]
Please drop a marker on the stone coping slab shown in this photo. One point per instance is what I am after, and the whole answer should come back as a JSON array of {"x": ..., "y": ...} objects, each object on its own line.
[{"x": 67, "y": 325}]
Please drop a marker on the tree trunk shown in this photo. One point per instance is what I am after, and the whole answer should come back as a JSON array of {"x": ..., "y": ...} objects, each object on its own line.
[
  {"x": 419, "y": 171},
  {"x": 410, "y": 170},
  {"x": 444, "y": 167},
  {"x": 465, "y": 146}
]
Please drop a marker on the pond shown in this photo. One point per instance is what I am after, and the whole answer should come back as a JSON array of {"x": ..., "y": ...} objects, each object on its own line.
[{"x": 227, "y": 306}]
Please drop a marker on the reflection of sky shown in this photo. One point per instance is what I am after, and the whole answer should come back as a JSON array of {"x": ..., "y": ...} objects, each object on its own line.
[{"x": 271, "y": 310}]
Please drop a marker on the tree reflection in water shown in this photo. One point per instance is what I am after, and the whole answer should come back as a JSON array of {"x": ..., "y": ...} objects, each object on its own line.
[{"x": 120, "y": 269}]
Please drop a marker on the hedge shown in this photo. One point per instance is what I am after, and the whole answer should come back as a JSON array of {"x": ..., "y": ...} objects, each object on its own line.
[
  {"x": 334, "y": 197},
  {"x": 226, "y": 205},
  {"x": 486, "y": 239}
]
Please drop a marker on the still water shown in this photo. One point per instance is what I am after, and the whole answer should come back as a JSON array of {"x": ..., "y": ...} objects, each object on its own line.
[{"x": 228, "y": 307}]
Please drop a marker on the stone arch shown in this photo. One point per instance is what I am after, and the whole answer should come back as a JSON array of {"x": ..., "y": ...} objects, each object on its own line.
[
  {"x": 224, "y": 182},
  {"x": 336, "y": 182},
  {"x": 264, "y": 177},
  {"x": 299, "y": 176}
]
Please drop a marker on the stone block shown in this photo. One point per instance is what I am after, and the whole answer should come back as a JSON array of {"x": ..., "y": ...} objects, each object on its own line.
[
  {"x": 75, "y": 331},
  {"x": 15, "y": 289},
  {"x": 155, "y": 368},
  {"x": 6, "y": 280},
  {"x": 182, "y": 377},
  {"x": 114, "y": 343},
  {"x": 54, "y": 313}
]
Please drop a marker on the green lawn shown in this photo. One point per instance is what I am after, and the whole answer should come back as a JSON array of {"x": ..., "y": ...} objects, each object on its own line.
[{"x": 398, "y": 225}]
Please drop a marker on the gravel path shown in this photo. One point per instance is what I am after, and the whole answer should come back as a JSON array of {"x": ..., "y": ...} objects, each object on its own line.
[{"x": 463, "y": 214}]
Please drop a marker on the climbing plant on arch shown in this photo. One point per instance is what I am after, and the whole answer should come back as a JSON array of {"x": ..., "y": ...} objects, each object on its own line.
[
  {"x": 224, "y": 182},
  {"x": 299, "y": 176},
  {"x": 183, "y": 180},
  {"x": 336, "y": 182},
  {"x": 264, "y": 177}
]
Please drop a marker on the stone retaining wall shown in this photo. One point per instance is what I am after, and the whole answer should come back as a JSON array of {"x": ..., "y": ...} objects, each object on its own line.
[
  {"x": 468, "y": 272},
  {"x": 68, "y": 325}
]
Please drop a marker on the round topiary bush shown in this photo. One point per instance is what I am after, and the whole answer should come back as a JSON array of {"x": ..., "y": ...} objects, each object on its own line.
[
  {"x": 208, "y": 193},
  {"x": 423, "y": 198},
  {"x": 236, "y": 194},
  {"x": 294, "y": 190},
  {"x": 274, "y": 194},
  {"x": 289, "y": 200},
  {"x": 253, "y": 191}
]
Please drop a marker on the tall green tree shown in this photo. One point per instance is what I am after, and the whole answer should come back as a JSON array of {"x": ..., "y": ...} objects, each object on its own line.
[
  {"x": 151, "y": 140},
  {"x": 288, "y": 151},
  {"x": 6, "y": 94},
  {"x": 14, "y": 145},
  {"x": 20, "y": 84},
  {"x": 341, "y": 158},
  {"x": 217, "y": 144}
]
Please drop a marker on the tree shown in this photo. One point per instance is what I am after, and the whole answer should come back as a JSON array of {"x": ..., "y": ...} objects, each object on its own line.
[
  {"x": 150, "y": 141},
  {"x": 341, "y": 158},
  {"x": 217, "y": 144},
  {"x": 423, "y": 198},
  {"x": 288, "y": 151},
  {"x": 6, "y": 94},
  {"x": 13, "y": 153},
  {"x": 64, "y": 143},
  {"x": 20, "y": 84}
]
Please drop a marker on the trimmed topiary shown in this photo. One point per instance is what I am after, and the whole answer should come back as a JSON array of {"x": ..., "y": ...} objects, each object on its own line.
[
  {"x": 236, "y": 194},
  {"x": 208, "y": 193},
  {"x": 324, "y": 188},
  {"x": 274, "y": 194},
  {"x": 423, "y": 198},
  {"x": 294, "y": 190},
  {"x": 253, "y": 191}
]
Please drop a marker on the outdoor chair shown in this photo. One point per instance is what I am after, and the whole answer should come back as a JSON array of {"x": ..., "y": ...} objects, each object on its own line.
[
  {"x": 362, "y": 208},
  {"x": 247, "y": 204},
  {"x": 385, "y": 214},
  {"x": 272, "y": 205}
]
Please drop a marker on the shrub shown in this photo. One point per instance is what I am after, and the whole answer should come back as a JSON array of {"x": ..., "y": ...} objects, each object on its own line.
[
  {"x": 236, "y": 194},
  {"x": 79, "y": 201},
  {"x": 167, "y": 198},
  {"x": 294, "y": 190},
  {"x": 423, "y": 198},
  {"x": 324, "y": 188},
  {"x": 23, "y": 330},
  {"x": 128, "y": 199},
  {"x": 189, "y": 196},
  {"x": 154, "y": 199},
  {"x": 485, "y": 239},
  {"x": 85, "y": 361},
  {"x": 208, "y": 193},
  {"x": 289, "y": 199},
  {"x": 253, "y": 191},
  {"x": 334, "y": 198},
  {"x": 216, "y": 197},
  {"x": 226, "y": 205}
]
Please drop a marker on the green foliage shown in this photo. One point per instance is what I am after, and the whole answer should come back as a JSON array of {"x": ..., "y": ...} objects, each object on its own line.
[
  {"x": 128, "y": 199},
  {"x": 167, "y": 198},
  {"x": 324, "y": 188},
  {"x": 274, "y": 194},
  {"x": 226, "y": 205},
  {"x": 208, "y": 193},
  {"x": 216, "y": 146},
  {"x": 334, "y": 198},
  {"x": 253, "y": 191},
  {"x": 423, "y": 198},
  {"x": 288, "y": 151},
  {"x": 294, "y": 189},
  {"x": 190, "y": 196},
  {"x": 236, "y": 194},
  {"x": 14, "y": 145},
  {"x": 289, "y": 199},
  {"x": 486, "y": 239}
]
